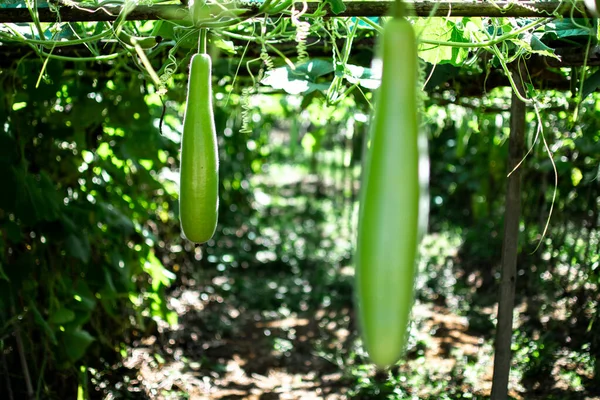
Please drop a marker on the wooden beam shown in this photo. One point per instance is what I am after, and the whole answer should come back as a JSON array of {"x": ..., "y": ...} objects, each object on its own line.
[{"x": 529, "y": 9}]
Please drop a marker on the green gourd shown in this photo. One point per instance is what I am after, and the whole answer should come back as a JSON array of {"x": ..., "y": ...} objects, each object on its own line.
[
  {"x": 392, "y": 203},
  {"x": 199, "y": 173}
]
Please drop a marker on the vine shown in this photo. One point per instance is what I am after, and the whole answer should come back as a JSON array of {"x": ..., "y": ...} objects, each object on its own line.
[
  {"x": 281, "y": 22},
  {"x": 302, "y": 32},
  {"x": 326, "y": 58}
]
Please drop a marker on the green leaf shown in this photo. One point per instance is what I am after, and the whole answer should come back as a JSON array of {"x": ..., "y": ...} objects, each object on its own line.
[
  {"x": 115, "y": 218},
  {"x": 537, "y": 46},
  {"x": 300, "y": 81},
  {"x": 311, "y": 70},
  {"x": 41, "y": 322},
  {"x": 171, "y": 317},
  {"x": 62, "y": 316},
  {"x": 473, "y": 27},
  {"x": 441, "y": 74},
  {"x": 156, "y": 28},
  {"x": 109, "y": 288},
  {"x": 540, "y": 48},
  {"x": 84, "y": 297},
  {"x": 363, "y": 76},
  {"x": 337, "y": 6},
  {"x": 565, "y": 28},
  {"x": 76, "y": 343},
  {"x": 159, "y": 274},
  {"x": 108, "y": 294},
  {"x": 78, "y": 246},
  {"x": 173, "y": 31},
  {"x": 225, "y": 45},
  {"x": 13, "y": 232},
  {"x": 442, "y": 30},
  {"x": 576, "y": 176},
  {"x": 36, "y": 197},
  {"x": 3, "y": 275},
  {"x": 591, "y": 84}
]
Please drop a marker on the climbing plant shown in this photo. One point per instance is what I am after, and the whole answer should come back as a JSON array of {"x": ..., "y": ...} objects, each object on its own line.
[{"x": 91, "y": 110}]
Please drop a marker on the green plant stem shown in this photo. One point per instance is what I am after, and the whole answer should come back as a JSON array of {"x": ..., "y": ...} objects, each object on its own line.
[
  {"x": 234, "y": 13},
  {"x": 210, "y": 23},
  {"x": 278, "y": 9},
  {"x": 80, "y": 59},
  {"x": 264, "y": 7},
  {"x": 168, "y": 69},
  {"x": 147, "y": 65},
  {"x": 487, "y": 43},
  {"x": 582, "y": 80},
  {"x": 247, "y": 38},
  {"x": 372, "y": 24},
  {"x": 494, "y": 49},
  {"x": 280, "y": 54},
  {"x": 42, "y": 53},
  {"x": 41, "y": 376},
  {"x": 336, "y": 84},
  {"x": 399, "y": 9},
  {"x": 492, "y": 42},
  {"x": 56, "y": 43},
  {"x": 35, "y": 16},
  {"x": 202, "y": 41},
  {"x": 348, "y": 44}
]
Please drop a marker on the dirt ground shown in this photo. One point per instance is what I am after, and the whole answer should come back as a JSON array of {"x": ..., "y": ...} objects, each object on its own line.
[{"x": 273, "y": 359}]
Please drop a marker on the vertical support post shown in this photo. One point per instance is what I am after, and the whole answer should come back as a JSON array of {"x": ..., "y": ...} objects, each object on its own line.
[{"x": 503, "y": 339}]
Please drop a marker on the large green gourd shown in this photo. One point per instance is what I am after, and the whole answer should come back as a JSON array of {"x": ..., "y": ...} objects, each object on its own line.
[
  {"x": 389, "y": 221},
  {"x": 199, "y": 174}
]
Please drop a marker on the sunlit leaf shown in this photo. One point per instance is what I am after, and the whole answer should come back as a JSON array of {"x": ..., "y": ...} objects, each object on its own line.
[
  {"x": 440, "y": 30},
  {"x": 159, "y": 274}
]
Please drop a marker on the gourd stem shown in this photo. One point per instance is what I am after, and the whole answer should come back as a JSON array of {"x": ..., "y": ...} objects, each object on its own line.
[
  {"x": 399, "y": 9},
  {"x": 202, "y": 41}
]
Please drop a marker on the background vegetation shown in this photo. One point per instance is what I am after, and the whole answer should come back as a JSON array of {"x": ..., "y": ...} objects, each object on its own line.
[{"x": 100, "y": 297}]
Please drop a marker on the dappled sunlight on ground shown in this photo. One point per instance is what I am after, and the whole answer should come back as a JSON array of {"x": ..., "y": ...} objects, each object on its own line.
[
  {"x": 281, "y": 358},
  {"x": 278, "y": 323}
]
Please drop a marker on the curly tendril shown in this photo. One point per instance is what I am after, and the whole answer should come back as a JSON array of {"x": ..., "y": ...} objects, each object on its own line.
[
  {"x": 266, "y": 59},
  {"x": 302, "y": 31}
]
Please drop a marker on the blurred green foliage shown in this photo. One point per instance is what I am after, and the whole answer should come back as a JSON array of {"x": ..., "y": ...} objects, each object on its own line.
[
  {"x": 91, "y": 254},
  {"x": 81, "y": 202}
]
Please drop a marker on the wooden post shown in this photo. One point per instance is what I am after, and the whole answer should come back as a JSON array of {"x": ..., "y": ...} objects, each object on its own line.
[{"x": 502, "y": 343}]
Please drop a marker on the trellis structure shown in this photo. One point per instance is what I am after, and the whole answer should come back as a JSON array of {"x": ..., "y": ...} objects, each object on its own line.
[
  {"x": 73, "y": 13},
  {"x": 529, "y": 9}
]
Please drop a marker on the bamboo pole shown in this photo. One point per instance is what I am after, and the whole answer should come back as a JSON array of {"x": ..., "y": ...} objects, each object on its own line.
[{"x": 353, "y": 9}]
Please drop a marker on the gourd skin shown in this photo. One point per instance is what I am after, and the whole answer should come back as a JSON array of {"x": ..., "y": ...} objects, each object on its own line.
[
  {"x": 388, "y": 227},
  {"x": 199, "y": 174}
]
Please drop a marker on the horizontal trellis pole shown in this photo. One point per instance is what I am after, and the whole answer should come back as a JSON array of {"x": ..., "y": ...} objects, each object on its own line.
[{"x": 512, "y": 8}]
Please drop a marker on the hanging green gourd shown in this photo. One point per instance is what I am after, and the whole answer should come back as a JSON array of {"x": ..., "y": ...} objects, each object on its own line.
[
  {"x": 392, "y": 200},
  {"x": 199, "y": 172}
]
